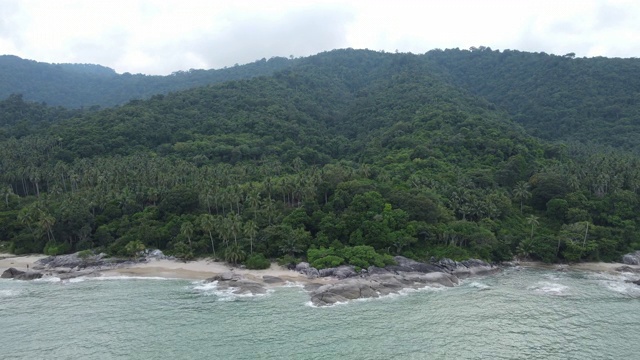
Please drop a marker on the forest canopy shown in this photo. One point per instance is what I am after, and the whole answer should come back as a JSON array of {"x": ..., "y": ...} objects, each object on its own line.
[{"x": 348, "y": 156}]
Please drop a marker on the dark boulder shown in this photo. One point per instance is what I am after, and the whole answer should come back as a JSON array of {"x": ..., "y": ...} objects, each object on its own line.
[
  {"x": 268, "y": 279},
  {"x": 13, "y": 273}
]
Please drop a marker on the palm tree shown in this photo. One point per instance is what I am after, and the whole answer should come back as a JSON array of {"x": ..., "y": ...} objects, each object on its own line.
[
  {"x": 46, "y": 222},
  {"x": 187, "y": 230},
  {"x": 207, "y": 223},
  {"x": 251, "y": 230},
  {"x": 521, "y": 192},
  {"x": 233, "y": 254},
  {"x": 533, "y": 221}
]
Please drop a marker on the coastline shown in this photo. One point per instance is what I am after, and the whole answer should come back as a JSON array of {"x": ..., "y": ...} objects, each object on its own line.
[{"x": 203, "y": 269}]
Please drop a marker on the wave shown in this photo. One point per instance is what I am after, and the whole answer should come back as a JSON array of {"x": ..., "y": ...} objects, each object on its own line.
[
  {"x": 7, "y": 293},
  {"x": 550, "y": 288},
  {"x": 46, "y": 279},
  {"x": 479, "y": 285},
  {"x": 211, "y": 289}
]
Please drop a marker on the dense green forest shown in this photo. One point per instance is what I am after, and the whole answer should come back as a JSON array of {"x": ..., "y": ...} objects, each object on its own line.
[
  {"x": 87, "y": 85},
  {"x": 348, "y": 155}
]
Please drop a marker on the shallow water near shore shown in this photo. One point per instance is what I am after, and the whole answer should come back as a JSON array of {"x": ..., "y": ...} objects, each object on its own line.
[{"x": 532, "y": 314}]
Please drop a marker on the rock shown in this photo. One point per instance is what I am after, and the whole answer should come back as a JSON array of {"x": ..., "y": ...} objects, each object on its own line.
[
  {"x": 73, "y": 261},
  {"x": 268, "y": 279},
  {"x": 13, "y": 273},
  {"x": 341, "y": 272},
  {"x": 155, "y": 254},
  {"x": 628, "y": 269},
  {"x": 637, "y": 282},
  {"x": 376, "y": 285},
  {"x": 312, "y": 273},
  {"x": 405, "y": 264},
  {"x": 227, "y": 276},
  {"x": 302, "y": 266},
  {"x": 631, "y": 258}
]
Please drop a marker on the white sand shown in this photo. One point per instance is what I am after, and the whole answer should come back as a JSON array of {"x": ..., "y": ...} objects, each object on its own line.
[
  {"x": 202, "y": 269},
  {"x": 19, "y": 262}
]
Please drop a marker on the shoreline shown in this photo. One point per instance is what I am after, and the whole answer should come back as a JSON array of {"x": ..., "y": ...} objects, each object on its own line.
[{"x": 203, "y": 269}]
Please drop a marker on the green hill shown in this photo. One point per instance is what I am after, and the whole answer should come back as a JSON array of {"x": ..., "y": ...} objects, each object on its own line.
[
  {"x": 87, "y": 85},
  {"x": 344, "y": 153}
]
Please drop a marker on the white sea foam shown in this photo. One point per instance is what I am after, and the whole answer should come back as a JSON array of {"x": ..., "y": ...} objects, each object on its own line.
[
  {"x": 290, "y": 284},
  {"x": 7, "y": 293},
  {"x": 211, "y": 289},
  {"x": 623, "y": 288},
  {"x": 52, "y": 279},
  {"x": 479, "y": 285},
  {"x": 550, "y": 288}
]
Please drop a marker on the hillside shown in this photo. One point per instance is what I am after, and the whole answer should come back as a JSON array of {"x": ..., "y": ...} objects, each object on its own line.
[
  {"x": 586, "y": 100},
  {"x": 87, "y": 85},
  {"x": 348, "y": 156}
]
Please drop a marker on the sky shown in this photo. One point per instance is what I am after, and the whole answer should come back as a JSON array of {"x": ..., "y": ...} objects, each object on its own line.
[{"x": 163, "y": 36}]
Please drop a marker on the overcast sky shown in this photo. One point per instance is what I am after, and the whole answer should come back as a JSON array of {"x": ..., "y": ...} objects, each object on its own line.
[{"x": 163, "y": 36}]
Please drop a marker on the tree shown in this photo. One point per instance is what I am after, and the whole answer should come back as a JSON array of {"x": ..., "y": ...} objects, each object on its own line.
[
  {"x": 234, "y": 253},
  {"x": 521, "y": 192},
  {"x": 207, "y": 223},
  {"x": 46, "y": 222},
  {"x": 187, "y": 230},
  {"x": 533, "y": 221},
  {"x": 251, "y": 230}
]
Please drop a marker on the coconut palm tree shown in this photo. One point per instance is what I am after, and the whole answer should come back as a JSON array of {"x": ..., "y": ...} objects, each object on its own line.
[
  {"x": 533, "y": 221},
  {"x": 250, "y": 229},
  {"x": 521, "y": 192},
  {"x": 187, "y": 230},
  {"x": 208, "y": 223}
]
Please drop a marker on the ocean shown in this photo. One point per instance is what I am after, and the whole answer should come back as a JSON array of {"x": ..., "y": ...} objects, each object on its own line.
[{"x": 516, "y": 314}]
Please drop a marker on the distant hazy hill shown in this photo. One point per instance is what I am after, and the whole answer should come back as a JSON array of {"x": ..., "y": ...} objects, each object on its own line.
[{"x": 85, "y": 85}]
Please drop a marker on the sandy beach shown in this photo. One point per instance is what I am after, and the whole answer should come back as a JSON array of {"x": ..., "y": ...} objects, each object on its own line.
[
  {"x": 203, "y": 268},
  {"x": 19, "y": 262},
  {"x": 195, "y": 270}
]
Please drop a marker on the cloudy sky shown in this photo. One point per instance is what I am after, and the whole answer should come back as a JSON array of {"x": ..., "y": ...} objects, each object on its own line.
[{"x": 162, "y": 36}]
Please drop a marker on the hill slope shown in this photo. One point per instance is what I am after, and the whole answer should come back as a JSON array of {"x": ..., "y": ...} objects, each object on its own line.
[
  {"x": 346, "y": 153},
  {"x": 589, "y": 100}
]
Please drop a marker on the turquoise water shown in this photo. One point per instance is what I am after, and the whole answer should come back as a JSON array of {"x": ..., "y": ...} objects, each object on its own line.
[{"x": 531, "y": 314}]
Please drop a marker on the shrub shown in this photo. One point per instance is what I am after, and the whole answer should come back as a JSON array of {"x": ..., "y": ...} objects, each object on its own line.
[
  {"x": 84, "y": 254},
  {"x": 257, "y": 262},
  {"x": 327, "y": 262}
]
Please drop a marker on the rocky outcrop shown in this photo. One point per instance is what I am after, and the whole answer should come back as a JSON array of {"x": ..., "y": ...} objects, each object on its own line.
[
  {"x": 237, "y": 284},
  {"x": 13, "y": 273},
  {"x": 377, "y": 285},
  {"x": 268, "y": 279},
  {"x": 340, "y": 272},
  {"x": 78, "y": 262},
  {"x": 628, "y": 269},
  {"x": 375, "y": 281},
  {"x": 632, "y": 258}
]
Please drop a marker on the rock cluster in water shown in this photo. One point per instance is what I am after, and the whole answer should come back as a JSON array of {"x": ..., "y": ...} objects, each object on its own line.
[
  {"x": 376, "y": 282},
  {"x": 13, "y": 273},
  {"x": 239, "y": 285}
]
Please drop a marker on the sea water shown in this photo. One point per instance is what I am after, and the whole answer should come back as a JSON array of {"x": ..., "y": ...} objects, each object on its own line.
[{"x": 526, "y": 314}]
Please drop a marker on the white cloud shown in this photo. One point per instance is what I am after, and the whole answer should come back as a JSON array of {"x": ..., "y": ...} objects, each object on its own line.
[{"x": 159, "y": 37}]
